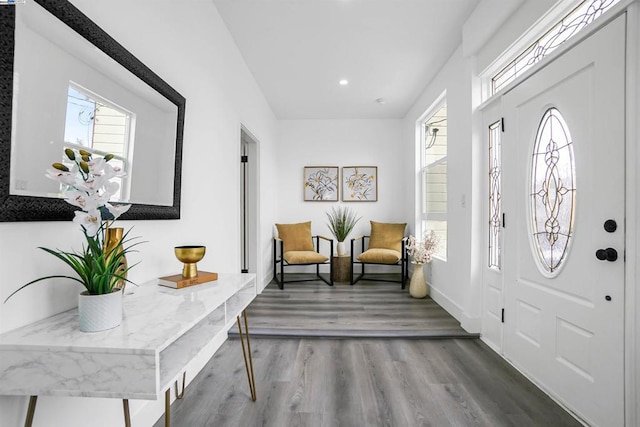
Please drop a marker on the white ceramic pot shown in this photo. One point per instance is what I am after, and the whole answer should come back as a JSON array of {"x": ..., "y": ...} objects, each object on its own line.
[
  {"x": 99, "y": 312},
  {"x": 342, "y": 251},
  {"x": 418, "y": 284}
]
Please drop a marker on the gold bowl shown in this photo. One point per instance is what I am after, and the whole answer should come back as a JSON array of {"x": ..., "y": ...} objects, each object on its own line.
[{"x": 189, "y": 255}]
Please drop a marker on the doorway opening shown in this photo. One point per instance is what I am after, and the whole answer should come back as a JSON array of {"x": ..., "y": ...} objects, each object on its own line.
[{"x": 248, "y": 201}]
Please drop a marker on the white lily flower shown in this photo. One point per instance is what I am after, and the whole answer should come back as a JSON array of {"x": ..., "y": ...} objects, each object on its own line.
[
  {"x": 81, "y": 199},
  {"x": 90, "y": 191},
  {"x": 101, "y": 199},
  {"x": 108, "y": 172},
  {"x": 117, "y": 210},
  {"x": 68, "y": 178},
  {"x": 111, "y": 187},
  {"x": 90, "y": 221},
  {"x": 96, "y": 166}
]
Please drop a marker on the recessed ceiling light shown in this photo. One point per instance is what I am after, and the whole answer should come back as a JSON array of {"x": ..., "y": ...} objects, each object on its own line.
[{"x": 344, "y": 82}]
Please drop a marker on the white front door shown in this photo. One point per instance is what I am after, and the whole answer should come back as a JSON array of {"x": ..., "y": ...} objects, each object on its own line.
[{"x": 563, "y": 181}]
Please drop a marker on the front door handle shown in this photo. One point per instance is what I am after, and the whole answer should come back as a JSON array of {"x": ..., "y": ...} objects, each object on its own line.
[{"x": 608, "y": 254}]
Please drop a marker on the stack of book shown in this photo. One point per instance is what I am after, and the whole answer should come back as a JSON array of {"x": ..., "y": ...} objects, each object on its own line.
[{"x": 178, "y": 281}]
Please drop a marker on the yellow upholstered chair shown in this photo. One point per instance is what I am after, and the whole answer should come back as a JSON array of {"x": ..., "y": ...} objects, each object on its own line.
[
  {"x": 386, "y": 245},
  {"x": 294, "y": 246}
]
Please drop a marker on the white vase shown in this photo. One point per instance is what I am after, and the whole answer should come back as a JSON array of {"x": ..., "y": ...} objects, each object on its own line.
[
  {"x": 418, "y": 284},
  {"x": 99, "y": 312},
  {"x": 341, "y": 249}
]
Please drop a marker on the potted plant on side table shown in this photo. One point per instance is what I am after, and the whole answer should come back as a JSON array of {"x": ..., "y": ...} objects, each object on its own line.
[
  {"x": 101, "y": 266},
  {"x": 341, "y": 223}
]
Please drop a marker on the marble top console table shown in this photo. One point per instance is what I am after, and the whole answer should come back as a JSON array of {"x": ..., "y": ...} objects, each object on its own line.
[{"x": 162, "y": 330}]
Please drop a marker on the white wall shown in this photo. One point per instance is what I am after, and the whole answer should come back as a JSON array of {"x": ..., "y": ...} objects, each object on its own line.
[
  {"x": 187, "y": 44},
  {"x": 453, "y": 282},
  {"x": 341, "y": 143}
]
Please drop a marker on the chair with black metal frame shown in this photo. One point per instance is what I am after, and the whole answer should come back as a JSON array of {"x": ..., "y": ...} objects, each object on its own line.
[
  {"x": 294, "y": 247},
  {"x": 386, "y": 245}
]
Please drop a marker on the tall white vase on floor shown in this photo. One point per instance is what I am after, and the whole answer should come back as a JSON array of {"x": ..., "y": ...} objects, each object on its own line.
[{"x": 418, "y": 284}]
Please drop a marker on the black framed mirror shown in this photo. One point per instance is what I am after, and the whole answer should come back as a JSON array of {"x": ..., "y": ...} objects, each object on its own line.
[{"x": 32, "y": 117}]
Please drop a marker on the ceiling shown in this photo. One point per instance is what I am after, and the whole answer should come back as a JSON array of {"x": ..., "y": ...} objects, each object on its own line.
[{"x": 298, "y": 51}]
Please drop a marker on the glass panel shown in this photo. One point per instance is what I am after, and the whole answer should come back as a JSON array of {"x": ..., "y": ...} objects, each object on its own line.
[
  {"x": 435, "y": 137},
  {"x": 436, "y": 188},
  {"x": 81, "y": 111},
  {"x": 99, "y": 127},
  {"x": 434, "y": 176},
  {"x": 585, "y": 13},
  {"x": 440, "y": 228},
  {"x": 495, "y": 190},
  {"x": 552, "y": 191}
]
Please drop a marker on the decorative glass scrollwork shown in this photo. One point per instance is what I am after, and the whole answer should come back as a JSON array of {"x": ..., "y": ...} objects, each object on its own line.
[
  {"x": 495, "y": 195},
  {"x": 553, "y": 191},
  {"x": 583, "y": 14}
]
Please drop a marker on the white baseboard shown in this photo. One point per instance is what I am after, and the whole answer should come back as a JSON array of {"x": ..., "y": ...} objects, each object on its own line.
[
  {"x": 265, "y": 281},
  {"x": 445, "y": 302},
  {"x": 472, "y": 325}
]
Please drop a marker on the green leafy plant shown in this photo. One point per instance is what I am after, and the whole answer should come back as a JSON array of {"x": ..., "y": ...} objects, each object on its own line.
[
  {"x": 341, "y": 222},
  {"x": 97, "y": 268}
]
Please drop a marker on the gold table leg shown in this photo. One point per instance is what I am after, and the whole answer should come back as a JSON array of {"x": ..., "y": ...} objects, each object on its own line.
[
  {"x": 180, "y": 395},
  {"x": 31, "y": 410},
  {"x": 167, "y": 407},
  {"x": 127, "y": 415},
  {"x": 248, "y": 366}
]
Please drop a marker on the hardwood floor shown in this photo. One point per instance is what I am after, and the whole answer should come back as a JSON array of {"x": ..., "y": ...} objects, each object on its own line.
[
  {"x": 307, "y": 379},
  {"x": 365, "y": 310},
  {"x": 364, "y": 382}
]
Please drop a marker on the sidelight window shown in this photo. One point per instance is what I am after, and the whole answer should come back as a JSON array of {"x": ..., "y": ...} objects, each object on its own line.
[{"x": 495, "y": 194}]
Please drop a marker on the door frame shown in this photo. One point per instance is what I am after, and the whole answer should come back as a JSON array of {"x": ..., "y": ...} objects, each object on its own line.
[
  {"x": 632, "y": 237},
  {"x": 491, "y": 113},
  {"x": 632, "y": 186},
  {"x": 253, "y": 200}
]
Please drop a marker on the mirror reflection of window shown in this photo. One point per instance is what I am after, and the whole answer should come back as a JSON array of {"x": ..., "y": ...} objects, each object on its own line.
[{"x": 94, "y": 124}]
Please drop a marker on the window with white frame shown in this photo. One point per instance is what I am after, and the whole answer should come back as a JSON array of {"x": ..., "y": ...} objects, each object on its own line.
[
  {"x": 495, "y": 195},
  {"x": 434, "y": 175},
  {"x": 576, "y": 20},
  {"x": 100, "y": 127}
]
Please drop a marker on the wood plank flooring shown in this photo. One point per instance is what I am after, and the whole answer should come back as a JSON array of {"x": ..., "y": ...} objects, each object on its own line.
[
  {"x": 367, "y": 309},
  {"x": 364, "y": 382}
]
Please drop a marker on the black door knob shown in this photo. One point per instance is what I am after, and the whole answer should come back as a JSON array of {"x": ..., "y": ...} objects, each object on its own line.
[
  {"x": 610, "y": 226},
  {"x": 608, "y": 254}
]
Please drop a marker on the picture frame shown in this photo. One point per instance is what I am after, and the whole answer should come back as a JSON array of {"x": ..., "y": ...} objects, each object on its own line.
[
  {"x": 360, "y": 184},
  {"x": 321, "y": 183}
]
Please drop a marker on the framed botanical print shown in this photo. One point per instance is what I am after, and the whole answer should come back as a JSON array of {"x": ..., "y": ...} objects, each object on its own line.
[
  {"x": 321, "y": 183},
  {"x": 360, "y": 184}
]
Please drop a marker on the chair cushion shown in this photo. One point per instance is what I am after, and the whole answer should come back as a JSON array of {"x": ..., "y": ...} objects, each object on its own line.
[
  {"x": 304, "y": 257},
  {"x": 380, "y": 256},
  {"x": 296, "y": 237},
  {"x": 386, "y": 235}
]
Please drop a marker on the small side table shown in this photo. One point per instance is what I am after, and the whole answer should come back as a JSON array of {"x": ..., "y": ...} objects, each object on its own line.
[{"x": 341, "y": 268}]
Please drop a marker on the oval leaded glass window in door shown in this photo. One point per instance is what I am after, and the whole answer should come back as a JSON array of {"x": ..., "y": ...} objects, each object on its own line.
[{"x": 552, "y": 191}]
